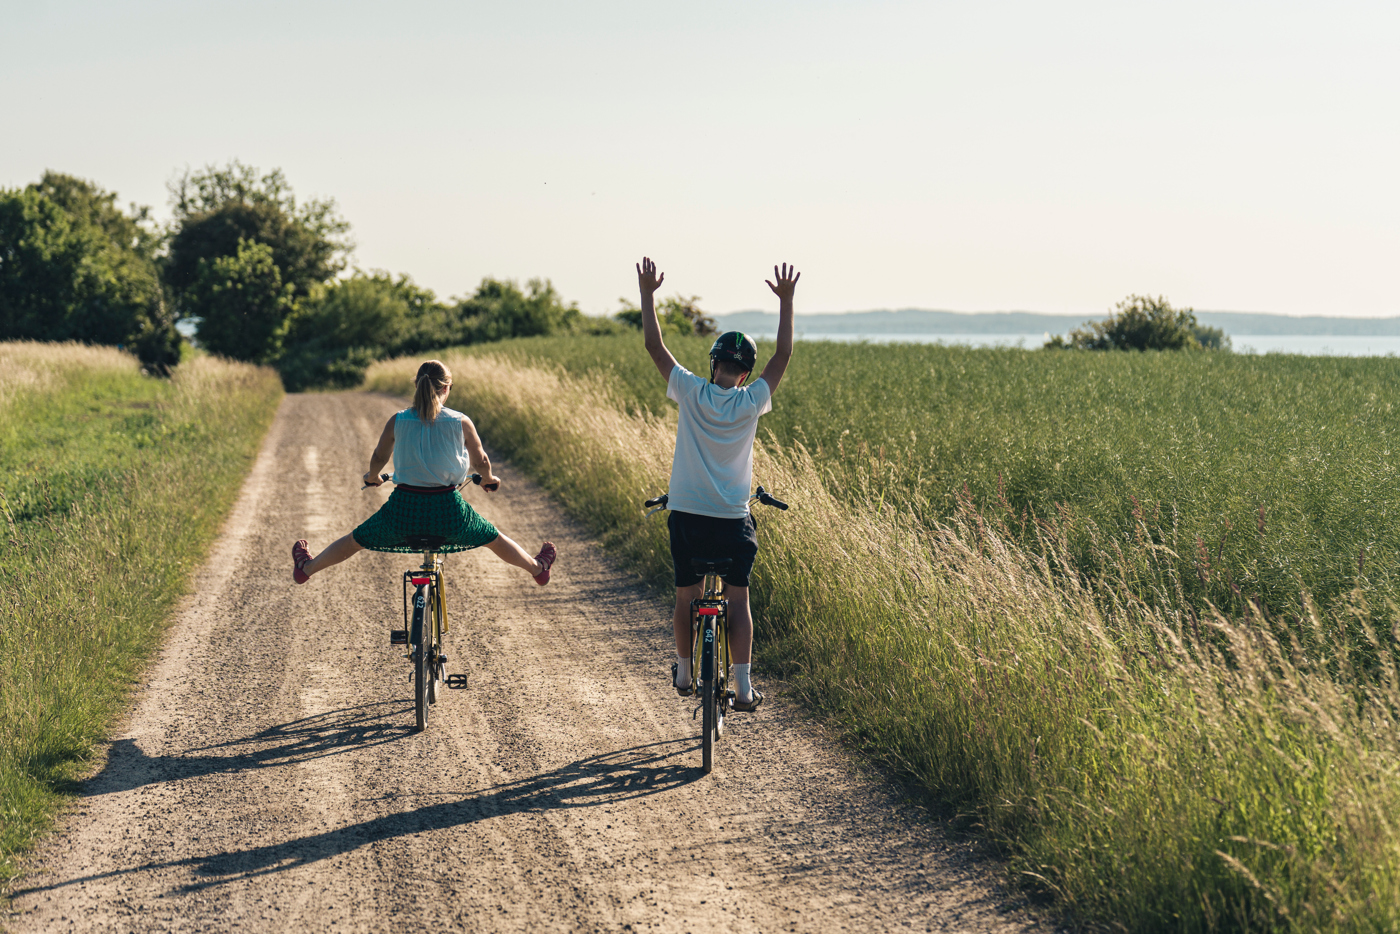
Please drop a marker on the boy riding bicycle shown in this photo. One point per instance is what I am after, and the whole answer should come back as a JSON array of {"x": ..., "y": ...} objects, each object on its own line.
[{"x": 712, "y": 470}]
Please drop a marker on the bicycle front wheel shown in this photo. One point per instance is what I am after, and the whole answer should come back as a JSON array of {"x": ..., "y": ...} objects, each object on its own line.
[{"x": 722, "y": 688}]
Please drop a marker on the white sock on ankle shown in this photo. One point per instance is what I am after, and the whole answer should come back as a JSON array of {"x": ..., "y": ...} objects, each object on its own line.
[
  {"x": 742, "y": 687},
  {"x": 682, "y": 672}
]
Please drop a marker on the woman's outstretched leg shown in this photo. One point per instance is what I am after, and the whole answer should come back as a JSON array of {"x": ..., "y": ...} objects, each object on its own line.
[
  {"x": 511, "y": 553},
  {"x": 339, "y": 550}
]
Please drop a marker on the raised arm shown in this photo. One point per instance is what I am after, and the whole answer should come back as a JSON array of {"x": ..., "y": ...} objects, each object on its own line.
[
  {"x": 777, "y": 364},
  {"x": 382, "y": 452},
  {"x": 648, "y": 281},
  {"x": 476, "y": 453}
]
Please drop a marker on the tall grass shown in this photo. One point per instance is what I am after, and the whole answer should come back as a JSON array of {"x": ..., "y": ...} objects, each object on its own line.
[
  {"x": 112, "y": 485},
  {"x": 1146, "y": 766},
  {"x": 1266, "y": 477}
]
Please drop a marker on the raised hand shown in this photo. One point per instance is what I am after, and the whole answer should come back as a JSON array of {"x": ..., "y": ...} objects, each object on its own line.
[
  {"x": 787, "y": 281},
  {"x": 647, "y": 278}
]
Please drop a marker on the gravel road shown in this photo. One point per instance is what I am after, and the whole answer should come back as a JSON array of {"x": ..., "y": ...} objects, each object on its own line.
[{"x": 267, "y": 778}]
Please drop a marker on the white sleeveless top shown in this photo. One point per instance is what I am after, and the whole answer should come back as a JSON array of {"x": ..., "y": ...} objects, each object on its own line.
[{"x": 430, "y": 455}]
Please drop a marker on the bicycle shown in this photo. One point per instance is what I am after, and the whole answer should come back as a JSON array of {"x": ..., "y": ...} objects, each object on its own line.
[
  {"x": 710, "y": 660},
  {"x": 424, "y": 632}
]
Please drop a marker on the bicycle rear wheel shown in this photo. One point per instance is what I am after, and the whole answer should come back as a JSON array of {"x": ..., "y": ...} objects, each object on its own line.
[
  {"x": 709, "y": 673},
  {"x": 434, "y": 645},
  {"x": 420, "y": 636}
]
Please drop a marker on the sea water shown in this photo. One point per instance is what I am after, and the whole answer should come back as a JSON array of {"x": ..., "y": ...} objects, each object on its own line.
[{"x": 1326, "y": 345}]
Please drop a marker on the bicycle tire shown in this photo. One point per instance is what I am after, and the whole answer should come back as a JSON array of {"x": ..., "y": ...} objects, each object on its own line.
[
  {"x": 434, "y": 645},
  {"x": 421, "y": 670},
  {"x": 723, "y": 661},
  {"x": 708, "y": 671}
]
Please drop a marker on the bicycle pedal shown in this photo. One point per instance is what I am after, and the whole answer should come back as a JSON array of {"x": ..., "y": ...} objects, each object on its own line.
[
  {"x": 457, "y": 682},
  {"x": 398, "y": 637}
]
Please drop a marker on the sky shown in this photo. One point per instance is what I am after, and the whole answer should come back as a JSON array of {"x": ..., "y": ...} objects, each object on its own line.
[{"x": 967, "y": 156}]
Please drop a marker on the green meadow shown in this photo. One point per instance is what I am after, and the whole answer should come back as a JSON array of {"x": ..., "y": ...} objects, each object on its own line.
[
  {"x": 112, "y": 486},
  {"x": 1131, "y": 615},
  {"x": 1267, "y": 477}
]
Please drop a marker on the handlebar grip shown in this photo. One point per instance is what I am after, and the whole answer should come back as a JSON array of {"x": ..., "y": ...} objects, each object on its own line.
[
  {"x": 488, "y": 487},
  {"x": 661, "y": 500},
  {"x": 768, "y": 499},
  {"x": 384, "y": 478}
]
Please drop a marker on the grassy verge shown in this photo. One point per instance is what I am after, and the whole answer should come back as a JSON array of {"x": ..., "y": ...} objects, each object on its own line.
[
  {"x": 1266, "y": 477},
  {"x": 112, "y": 486},
  {"x": 1148, "y": 767}
]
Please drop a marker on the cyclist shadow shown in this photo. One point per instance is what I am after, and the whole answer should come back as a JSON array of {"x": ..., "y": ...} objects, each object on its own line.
[
  {"x": 314, "y": 737},
  {"x": 608, "y": 778},
  {"x": 605, "y": 779}
]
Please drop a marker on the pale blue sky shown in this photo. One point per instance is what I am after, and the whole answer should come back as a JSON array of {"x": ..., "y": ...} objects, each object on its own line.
[{"x": 997, "y": 155}]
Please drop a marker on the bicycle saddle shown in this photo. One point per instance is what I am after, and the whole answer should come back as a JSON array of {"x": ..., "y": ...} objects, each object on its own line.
[
  {"x": 719, "y": 566},
  {"x": 425, "y": 542}
]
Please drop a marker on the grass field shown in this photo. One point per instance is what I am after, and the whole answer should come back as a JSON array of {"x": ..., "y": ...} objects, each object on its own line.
[
  {"x": 1147, "y": 764},
  {"x": 112, "y": 485},
  {"x": 1264, "y": 477}
]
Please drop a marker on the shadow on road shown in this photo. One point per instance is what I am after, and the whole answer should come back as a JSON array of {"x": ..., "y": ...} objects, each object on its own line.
[
  {"x": 594, "y": 781},
  {"x": 327, "y": 734}
]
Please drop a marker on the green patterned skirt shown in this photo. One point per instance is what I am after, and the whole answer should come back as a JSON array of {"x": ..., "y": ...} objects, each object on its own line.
[{"x": 405, "y": 514}]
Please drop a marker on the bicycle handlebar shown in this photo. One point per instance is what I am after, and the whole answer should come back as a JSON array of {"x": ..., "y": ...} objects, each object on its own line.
[
  {"x": 475, "y": 478},
  {"x": 763, "y": 496},
  {"x": 768, "y": 499}
]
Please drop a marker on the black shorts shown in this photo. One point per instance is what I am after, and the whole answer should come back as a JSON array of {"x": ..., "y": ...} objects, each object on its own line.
[{"x": 706, "y": 537}]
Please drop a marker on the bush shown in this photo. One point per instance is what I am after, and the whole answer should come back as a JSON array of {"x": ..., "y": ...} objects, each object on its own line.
[
  {"x": 677, "y": 316},
  {"x": 344, "y": 327},
  {"x": 348, "y": 325},
  {"x": 1141, "y": 322},
  {"x": 500, "y": 310}
]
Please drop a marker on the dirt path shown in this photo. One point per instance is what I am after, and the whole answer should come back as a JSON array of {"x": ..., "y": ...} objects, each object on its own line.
[{"x": 268, "y": 780}]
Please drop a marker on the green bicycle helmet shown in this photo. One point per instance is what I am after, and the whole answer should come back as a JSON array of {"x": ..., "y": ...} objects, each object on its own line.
[{"x": 735, "y": 347}]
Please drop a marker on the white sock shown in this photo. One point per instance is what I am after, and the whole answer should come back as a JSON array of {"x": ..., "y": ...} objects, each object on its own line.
[
  {"x": 742, "y": 687},
  {"x": 682, "y": 672}
]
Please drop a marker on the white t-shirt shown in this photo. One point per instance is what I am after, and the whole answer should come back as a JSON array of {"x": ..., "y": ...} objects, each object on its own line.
[
  {"x": 430, "y": 455},
  {"x": 713, "y": 467}
]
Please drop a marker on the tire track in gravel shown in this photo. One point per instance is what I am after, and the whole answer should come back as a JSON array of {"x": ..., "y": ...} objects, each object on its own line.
[{"x": 268, "y": 780}]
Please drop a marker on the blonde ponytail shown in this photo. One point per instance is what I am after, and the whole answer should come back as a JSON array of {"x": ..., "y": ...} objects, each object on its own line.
[{"x": 433, "y": 377}]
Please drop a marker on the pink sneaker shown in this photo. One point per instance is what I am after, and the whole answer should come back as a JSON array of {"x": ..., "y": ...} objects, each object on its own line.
[
  {"x": 546, "y": 557},
  {"x": 299, "y": 558}
]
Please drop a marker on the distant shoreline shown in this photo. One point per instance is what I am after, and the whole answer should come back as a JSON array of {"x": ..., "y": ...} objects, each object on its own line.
[{"x": 917, "y": 321}]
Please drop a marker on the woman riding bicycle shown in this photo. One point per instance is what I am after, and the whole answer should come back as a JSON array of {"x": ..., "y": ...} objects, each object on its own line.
[{"x": 435, "y": 449}]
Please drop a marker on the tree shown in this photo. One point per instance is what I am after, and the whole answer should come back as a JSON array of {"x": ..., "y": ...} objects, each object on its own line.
[
  {"x": 1141, "y": 322},
  {"x": 1211, "y": 338},
  {"x": 218, "y": 208},
  {"x": 245, "y": 305},
  {"x": 75, "y": 267}
]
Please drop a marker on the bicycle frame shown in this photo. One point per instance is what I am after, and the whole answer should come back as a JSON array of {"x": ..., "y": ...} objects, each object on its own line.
[
  {"x": 712, "y": 607},
  {"x": 424, "y": 628},
  {"x": 429, "y": 574},
  {"x": 710, "y": 658}
]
